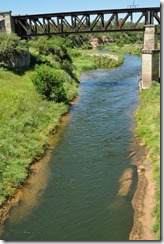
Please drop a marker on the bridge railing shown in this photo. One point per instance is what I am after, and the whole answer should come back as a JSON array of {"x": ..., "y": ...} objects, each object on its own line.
[{"x": 132, "y": 19}]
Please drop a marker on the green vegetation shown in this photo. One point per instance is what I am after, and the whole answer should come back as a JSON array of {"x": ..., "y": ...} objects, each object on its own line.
[
  {"x": 125, "y": 43},
  {"x": 148, "y": 129},
  {"x": 31, "y": 105},
  {"x": 51, "y": 83},
  {"x": 11, "y": 47},
  {"x": 26, "y": 121},
  {"x": 92, "y": 59},
  {"x": 33, "y": 101},
  {"x": 126, "y": 48}
]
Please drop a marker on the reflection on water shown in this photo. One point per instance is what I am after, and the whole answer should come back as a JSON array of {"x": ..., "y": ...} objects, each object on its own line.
[{"x": 82, "y": 199}]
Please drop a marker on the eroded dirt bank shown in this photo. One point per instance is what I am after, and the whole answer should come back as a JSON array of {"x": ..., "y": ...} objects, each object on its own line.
[{"x": 143, "y": 200}]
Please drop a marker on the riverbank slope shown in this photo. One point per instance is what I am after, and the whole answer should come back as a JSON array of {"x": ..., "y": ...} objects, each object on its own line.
[{"x": 146, "y": 201}]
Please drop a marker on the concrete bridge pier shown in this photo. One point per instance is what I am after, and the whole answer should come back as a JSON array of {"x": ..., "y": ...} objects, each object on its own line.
[
  {"x": 150, "y": 57},
  {"x": 6, "y": 22}
]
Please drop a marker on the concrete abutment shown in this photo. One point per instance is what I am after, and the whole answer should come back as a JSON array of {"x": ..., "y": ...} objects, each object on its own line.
[{"x": 150, "y": 57}]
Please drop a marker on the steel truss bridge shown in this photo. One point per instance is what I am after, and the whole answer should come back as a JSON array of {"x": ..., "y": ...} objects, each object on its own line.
[{"x": 130, "y": 19}]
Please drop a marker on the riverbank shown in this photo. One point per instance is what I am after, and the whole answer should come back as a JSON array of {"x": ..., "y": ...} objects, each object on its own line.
[
  {"x": 142, "y": 202},
  {"x": 34, "y": 183},
  {"x": 146, "y": 201},
  {"x": 26, "y": 123}
]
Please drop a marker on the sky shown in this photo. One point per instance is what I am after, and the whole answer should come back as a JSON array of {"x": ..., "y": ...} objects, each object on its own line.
[{"x": 55, "y": 6}]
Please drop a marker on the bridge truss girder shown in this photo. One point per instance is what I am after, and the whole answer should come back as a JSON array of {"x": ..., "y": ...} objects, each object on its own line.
[{"x": 85, "y": 22}]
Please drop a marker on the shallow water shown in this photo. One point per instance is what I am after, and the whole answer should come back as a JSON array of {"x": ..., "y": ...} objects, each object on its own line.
[{"x": 80, "y": 200}]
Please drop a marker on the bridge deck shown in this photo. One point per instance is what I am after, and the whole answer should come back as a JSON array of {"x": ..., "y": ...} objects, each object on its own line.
[{"x": 130, "y": 19}]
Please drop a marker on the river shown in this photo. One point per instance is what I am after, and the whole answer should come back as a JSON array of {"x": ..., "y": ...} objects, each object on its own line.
[{"x": 80, "y": 200}]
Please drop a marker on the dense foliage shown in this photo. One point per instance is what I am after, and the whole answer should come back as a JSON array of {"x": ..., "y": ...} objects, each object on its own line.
[
  {"x": 53, "y": 52},
  {"x": 11, "y": 48}
]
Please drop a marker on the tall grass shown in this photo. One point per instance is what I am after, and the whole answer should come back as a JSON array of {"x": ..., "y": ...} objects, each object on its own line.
[
  {"x": 26, "y": 121},
  {"x": 148, "y": 129}
]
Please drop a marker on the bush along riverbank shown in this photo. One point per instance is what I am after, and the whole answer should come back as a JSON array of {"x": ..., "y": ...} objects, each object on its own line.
[
  {"x": 33, "y": 101},
  {"x": 147, "y": 119}
]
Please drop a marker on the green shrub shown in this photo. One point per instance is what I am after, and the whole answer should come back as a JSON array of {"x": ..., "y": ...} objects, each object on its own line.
[
  {"x": 51, "y": 45},
  {"x": 50, "y": 83},
  {"x": 52, "y": 52},
  {"x": 45, "y": 46}
]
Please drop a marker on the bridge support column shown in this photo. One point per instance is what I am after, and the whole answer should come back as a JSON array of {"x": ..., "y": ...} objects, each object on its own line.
[
  {"x": 8, "y": 21},
  {"x": 150, "y": 57}
]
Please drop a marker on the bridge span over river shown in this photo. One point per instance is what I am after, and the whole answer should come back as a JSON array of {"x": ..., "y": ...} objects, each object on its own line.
[{"x": 113, "y": 20}]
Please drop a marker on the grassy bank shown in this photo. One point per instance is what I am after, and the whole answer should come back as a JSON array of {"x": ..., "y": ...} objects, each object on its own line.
[
  {"x": 93, "y": 59},
  {"x": 25, "y": 123},
  {"x": 148, "y": 129}
]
